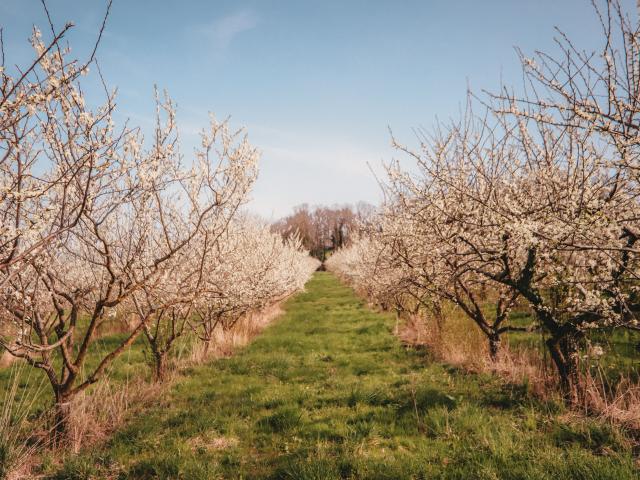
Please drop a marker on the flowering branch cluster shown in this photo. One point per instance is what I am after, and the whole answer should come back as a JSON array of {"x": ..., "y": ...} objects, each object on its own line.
[
  {"x": 99, "y": 225},
  {"x": 536, "y": 200}
]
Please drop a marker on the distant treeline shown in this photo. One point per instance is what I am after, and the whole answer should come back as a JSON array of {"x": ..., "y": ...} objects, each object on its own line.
[{"x": 324, "y": 229}]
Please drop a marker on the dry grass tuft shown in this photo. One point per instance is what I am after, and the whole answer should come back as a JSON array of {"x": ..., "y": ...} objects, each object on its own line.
[
  {"x": 209, "y": 442},
  {"x": 97, "y": 414},
  {"x": 524, "y": 366},
  {"x": 226, "y": 342},
  {"x": 21, "y": 434},
  {"x": 456, "y": 341},
  {"x": 620, "y": 404}
]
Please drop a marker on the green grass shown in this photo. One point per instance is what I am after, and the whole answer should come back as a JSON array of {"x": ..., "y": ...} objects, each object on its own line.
[{"x": 327, "y": 392}]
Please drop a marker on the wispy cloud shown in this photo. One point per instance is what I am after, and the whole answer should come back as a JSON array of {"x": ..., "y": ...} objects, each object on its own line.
[
  {"x": 222, "y": 31},
  {"x": 299, "y": 166}
]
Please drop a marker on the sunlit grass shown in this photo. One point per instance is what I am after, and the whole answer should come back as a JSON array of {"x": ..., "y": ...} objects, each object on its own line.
[{"x": 328, "y": 392}]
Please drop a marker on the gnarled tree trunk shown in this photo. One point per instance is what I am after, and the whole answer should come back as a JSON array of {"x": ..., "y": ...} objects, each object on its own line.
[
  {"x": 159, "y": 366},
  {"x": 494, "y": 345},
  {"x": 564, "y": 351},
  {"x": 62, "y": 416}
]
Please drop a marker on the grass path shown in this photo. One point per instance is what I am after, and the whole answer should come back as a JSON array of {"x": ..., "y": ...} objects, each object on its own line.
[{"x": 327, "y": 392}]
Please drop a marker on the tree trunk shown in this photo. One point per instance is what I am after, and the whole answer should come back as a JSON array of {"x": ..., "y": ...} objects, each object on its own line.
[
  {"x": 494, "y": 346},
  {"x": 564, "y": 353},
  {"x": 62, "y": 418},
  {"x": 439, "y": 317},
  {"x": 160, "y": 366},
  {"x": 207, "y": 346}
]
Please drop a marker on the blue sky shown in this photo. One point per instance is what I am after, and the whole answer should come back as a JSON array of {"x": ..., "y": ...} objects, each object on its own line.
[{"x": 316, "y": 84}]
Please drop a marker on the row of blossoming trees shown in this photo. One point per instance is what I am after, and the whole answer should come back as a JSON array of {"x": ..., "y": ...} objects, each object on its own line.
[
  {"x": 99, "y": 226},
  {"x": 534, "y": 200}
]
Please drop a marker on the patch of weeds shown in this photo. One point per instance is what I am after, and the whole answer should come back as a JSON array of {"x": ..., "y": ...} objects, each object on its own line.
[
  {"x": 282, "y": 420},
  {"x": 595, "y": 436},
  {"x": 308, "y": 469},
  {"x": 76, "y": 468},
  {"x": 153, "y": 469}
]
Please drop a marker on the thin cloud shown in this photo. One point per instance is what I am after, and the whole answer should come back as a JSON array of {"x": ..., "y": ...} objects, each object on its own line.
[{"x": 222, "y": 31}]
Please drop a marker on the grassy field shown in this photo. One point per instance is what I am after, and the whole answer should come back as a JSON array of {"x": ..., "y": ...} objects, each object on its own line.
[{"x": 327, "y": 392}]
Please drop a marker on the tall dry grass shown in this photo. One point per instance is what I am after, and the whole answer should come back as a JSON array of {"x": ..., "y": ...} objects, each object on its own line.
[
  {"x": 21, "y": 433},
  {"x": 225, "y": 343},
  {"x": 457, "y": 341},
  {"x": 619, "y": 403},
  {"x": 100, "y": 412}
]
